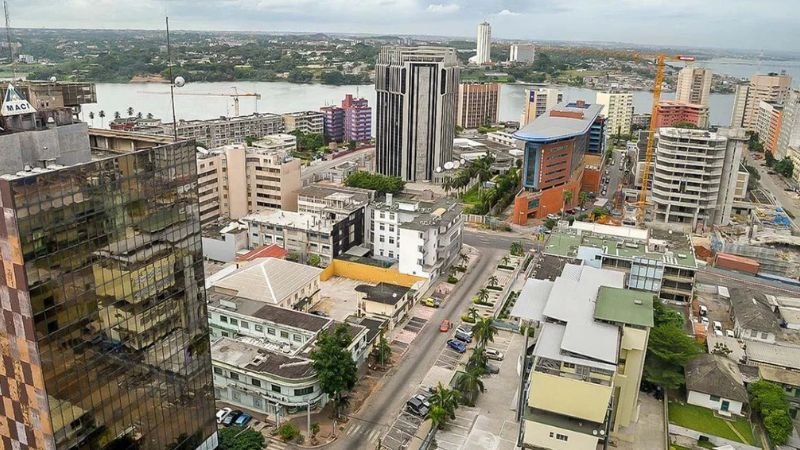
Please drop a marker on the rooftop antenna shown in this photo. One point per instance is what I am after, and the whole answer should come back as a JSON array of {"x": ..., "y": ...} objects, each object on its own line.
[{"x": 8, "y": 38}]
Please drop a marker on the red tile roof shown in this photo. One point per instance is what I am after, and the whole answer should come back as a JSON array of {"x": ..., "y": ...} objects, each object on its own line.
[{"x": 266, "y": 251}]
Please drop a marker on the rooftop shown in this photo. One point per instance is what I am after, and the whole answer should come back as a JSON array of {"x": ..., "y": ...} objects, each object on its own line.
[
  {"x": 291, "y": 219},
  {"x": 333, "y": 193},
  {"x": 532, "y": 299},
  {"x": 751, "y": 310},
  {"x": 270, "y": 280},
  {"x": 224, "y": 119},
  {"x": 564, "y": 121},
  {"x": 265, "y": 251},
  {"x": 275, "y": 314},
  {"x": 715, "y": 375},
  {"x": 257, "y": 359},
  {"x": 777, "y": 355},
  {"x": 624, "y": 306},
  {"x": 780, "y": 375},
  {"x": 385, "y": 293}
]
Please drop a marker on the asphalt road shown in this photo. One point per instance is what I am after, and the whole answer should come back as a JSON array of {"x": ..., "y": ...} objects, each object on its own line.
[
  {"x": 614, "y": 175},
  {"x": 777, "y": 188},
  {"x": 385, "y": 404}
]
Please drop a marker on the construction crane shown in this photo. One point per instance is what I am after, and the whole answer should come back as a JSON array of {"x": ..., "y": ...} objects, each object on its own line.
[
  {"x": 8, "y": 40},
  {"x": 659, "y": 80},
  {"x": 235, "y": 95}
]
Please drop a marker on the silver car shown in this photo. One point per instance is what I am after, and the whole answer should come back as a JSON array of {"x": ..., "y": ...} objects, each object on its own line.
[{"x": 494, "y": 354}]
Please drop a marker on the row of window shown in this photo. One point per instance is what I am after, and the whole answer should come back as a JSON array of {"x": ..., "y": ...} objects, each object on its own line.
[
  {"x": 257, "y": 383},
  {"x": 258, "y": 328}
]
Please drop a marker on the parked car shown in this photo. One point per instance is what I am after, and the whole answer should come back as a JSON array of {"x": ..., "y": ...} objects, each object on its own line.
[
  {"x": 243, "y": 420},
  {"x": 432, "y": 302},
  {"x": 492, "y": 369},
  {"x": 222, "y": 413},
  {"x": 705, "y": 321},
  {"x": 317, "y": 312},
  {"x": 703, "y": 310},
  {"x": 729, "y": 333},
  {"x": 465, "y": 328},
  {"x": 492, "y": 353},
  {"x": 463, "y": 337},
  {"x": 418, "y": 405},
  {"x": 457, "y": 345},
  {"x": 231, "y": 417},
  {"x": 445, "y": 326},
  {"x": 717, "y": 326}
]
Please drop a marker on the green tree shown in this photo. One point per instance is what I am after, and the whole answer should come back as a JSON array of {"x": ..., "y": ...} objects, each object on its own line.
[
  {"x": 288, "y": 431},
  {"x": 299, "y": 76},
  {"x": 314, "y": 431},
  {"x": 150, "y": 115},
  {"x": 583, "y": 197},
  {"x": 130, "y": 111},
  {"x": 665, "y": 316},
  {"x": 472, "y": 313},
  {"x": 139, "y": 115},
  {"x": 91, "y": 117},
  {"x": 669, "y": 349},
  {"x": 567, "y": 200},
  {"x": 351, "y": 145},
  {"x": 102, "y": 116},
  {"x": 314, "y": 260},
  {"x": 117, "y": 115},
  {"x": 438, "y": 416},
  {"x": 470, "y": 385},
  {"x": 477, "y": 360},
  {"x": 383, "y": 352},
  {"x": 492, "y": 281},
  {"x": 236, "y": 438},
  {"x": 446, "y": 399},
  {"x": 768, "y": 399},
  {"x": 550, "y": 223},
  {"x": 505, "y": 260},
  {"x": 517, "y": 249},
  {"x": 484, "y": 331},
  {"x": 336, "y": 370},
  {"x": 464, "y": 258},
  {"x": 482, "y": 295},
  {"x": 785, "y": 167},
  {"x": 380, "y": 183}
]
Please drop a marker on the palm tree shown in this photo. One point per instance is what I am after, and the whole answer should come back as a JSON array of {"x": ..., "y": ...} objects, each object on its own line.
[
  {"x": 102, "y": 116},
  {"x": 464, "y": 258},
  {"x": 469, "y": 384},
  {"x": 472, "y": 313},
  {"x": 483, "y": 295},
  {"x": 505, "y": 260},
  {"x": 149, "y": 115},
  {"x": 583, "y": 197},
  {"x": 452, "y": 271},
  {"x": 478, "y": 360},
  {"x": 437, "y": 416},
  {"x": 484, "y": 331},
  {"x": 130, "y": 111},
  {"x": 139, "y": 116},
  {"x": 91, "y": 117},
  {"x": 445, "y": 398},
  {"x": 517, "y": 249},
  {"x": 117, "y": 115},
  {"x": 383, "y": 352},
  {"x": 567, "y": 201},
  {"x": 493, "y": 281},
  {"x": 447, "y": 185}
]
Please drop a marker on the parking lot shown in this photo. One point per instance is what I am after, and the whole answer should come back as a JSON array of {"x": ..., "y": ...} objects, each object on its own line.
[{"x": 402, "y": 430}]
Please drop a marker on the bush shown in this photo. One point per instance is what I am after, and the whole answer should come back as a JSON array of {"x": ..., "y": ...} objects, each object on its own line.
[
  {"x": 495, "y": 288},
  {"x": 288, "y": 431},
  {"x": 452, "y": 280},
  {"x": 381, "y": 183},
  {"x": 466, "y": 318}
]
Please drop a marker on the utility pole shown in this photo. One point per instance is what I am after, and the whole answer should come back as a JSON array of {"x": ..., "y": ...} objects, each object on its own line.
[
  {"x": 171, "y": 83},
  {"x": 308, "y": 422}
]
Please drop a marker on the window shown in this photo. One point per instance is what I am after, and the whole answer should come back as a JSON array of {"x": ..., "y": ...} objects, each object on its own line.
[
  {"x": 304, "y": 391},
  {"x": 233, "y": 375},
  {"x": 382, "y": 227},
  {"x": 234, "y": 322},
  {"x": 383, "y": 215},
  {"x": 297, "y": 338},
  {"x": 217, "y": 371},
  {"x": 276, "y": 388},
  {"x": 763, "y": 335},
  {"x": 259, "y": 328},
  {"x": 391, "y": 227},
  {"x": 391, "y": 254},
  {"x": 753, "y": 333},
  {"x": 285, "y": 334},
  {"x": 223, "y": 319},
  {"x": 562, "y": 437},
  {"x": 713, "y": 398},
  {"x": 568, "y": 365},
  {"x": 271, "y": 331},
  {"x": 245, "y": 325},
  {"x": 391, "y": 240},
  {"x": 381, "y": 238},
  {"x": 255, "y": 382}
]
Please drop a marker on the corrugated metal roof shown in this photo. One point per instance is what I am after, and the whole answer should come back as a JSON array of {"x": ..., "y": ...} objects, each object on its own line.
[{"x": 270, "y": 280}]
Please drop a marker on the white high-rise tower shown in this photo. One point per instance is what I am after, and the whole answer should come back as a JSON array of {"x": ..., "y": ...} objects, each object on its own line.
[{"x": 484, "y": 55}]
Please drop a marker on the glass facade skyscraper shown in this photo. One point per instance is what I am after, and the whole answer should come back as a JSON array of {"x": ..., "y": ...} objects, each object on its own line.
[{"x": 103, "y": 334}]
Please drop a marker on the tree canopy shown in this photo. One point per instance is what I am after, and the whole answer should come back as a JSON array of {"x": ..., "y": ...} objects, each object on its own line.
[
  {"x": 669, "y": 349},
  {"x": 334, "y": 363},
  {"x": 235, "y": 438},
  {"x": 769, "y": 400},
  {"x": 381, "y": 183}
]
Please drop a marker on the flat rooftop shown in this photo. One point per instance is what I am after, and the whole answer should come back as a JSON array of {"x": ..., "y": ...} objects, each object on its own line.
[
  {"x": 275, "y": 314},
  {"x": 254, "y": 358},
  {"x": 291, "y": 219},
  {"x": 552, "y": 127},
  {"x": 624, "y": 306}
]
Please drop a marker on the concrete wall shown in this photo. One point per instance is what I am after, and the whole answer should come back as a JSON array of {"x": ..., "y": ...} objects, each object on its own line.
[
  {"x": 569, "y": 397},
  {"x": 704, "y": 400},
  {"x": 716, "y": 440},
  {"x": 634, "y": 347},
  {"x": 537, "y": 435},
  {"x": 67, "y": 145},
  {"x": 367, "y": 273},
  {"x": 224, "y": 248}
]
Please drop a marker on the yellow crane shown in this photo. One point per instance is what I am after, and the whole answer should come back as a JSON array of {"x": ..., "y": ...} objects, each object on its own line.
[
  {"x": 235, "y": 95},
  {"x": 659, "y": 80}
]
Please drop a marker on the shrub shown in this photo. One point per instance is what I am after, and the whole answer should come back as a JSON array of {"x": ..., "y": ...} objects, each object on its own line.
[
  {"x": 452, "y": 280},
  {"x": 288, "y": 431},
  {"x": 466, "y": 318}
]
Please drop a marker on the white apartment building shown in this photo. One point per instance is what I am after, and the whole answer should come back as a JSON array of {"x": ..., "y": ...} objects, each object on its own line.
[
  {"x": 305, "y": 121},
  {"x": 693, "y": 86},
  {"x": 695, "y": 175},
  {"x": 430, "y": 233},
  {"x": 769, "y": 88},
  {"x": 227, "y": 130},
  {"x": 522, "y": 53},
  {"x": 301, "y": 233},
  {"x": 790, "y": 125},
  {"x": 281, "y": 142},
  {"x": 618, "y": 109},
  {"x": 537, "y": 102},
  {"x": 484, "y": 54},
  {"x": 236, "y": 180}
]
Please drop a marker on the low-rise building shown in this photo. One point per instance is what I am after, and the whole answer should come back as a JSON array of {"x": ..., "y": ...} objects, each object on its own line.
[
  {"x": 281, "y": 142},
  {"x": 715, "y": 382},
  {"x": 430, "y": 232},
  {"x": 223, "y": 242},
  {"x": 226, "y": 130},
  {"x": 787, "y": 379},
  {"x": 386, "y": 301},
  {"x": 275, "y": 282},
  {"x": 522, "y": 53},
  {"x": 752, "y": 317},
  {"x": 588, "y": 358},
  {"x": 305, "y": 121}
]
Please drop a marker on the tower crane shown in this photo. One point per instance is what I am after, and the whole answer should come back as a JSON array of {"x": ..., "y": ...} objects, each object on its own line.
[
  {"x": 235, "y": 95},
  {"x": 659, "y": 62}
]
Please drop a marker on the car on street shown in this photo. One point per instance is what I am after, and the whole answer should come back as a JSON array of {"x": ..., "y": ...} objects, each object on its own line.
[
  {"x": 243, "y": 420},
  {"x": 465, "y": 328},
  {"x": 445, "y": 326},
  {"x": 319, "y": 313},
  {"x": 231, "y": 417},
  {"x": 492, "y": 369},
  {"x": 432, "y": 302},
  {"x": 418, "y": 405},
  {"x": 494, "y": 354},
  {"x": 222, "y": 413},
  {"x": 457, "y": 345},
  {"x": 463, "y": 336}
]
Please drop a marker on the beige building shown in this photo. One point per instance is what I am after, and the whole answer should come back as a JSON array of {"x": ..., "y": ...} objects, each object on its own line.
[
  {"x": 236, "y": 180},
  {"x": 305, "y": 121},
  {"x": 769, "y": 88},
  {"x": 618, "y": 109},
  {"x": 693, "y": 86},
  {"x": 478, "y": 104},
  {"x": 537, "y": 102},
  {"x": 587, "y": 367},
  {"x": 385, "y": 301},
  {"x": 789, "y": 135},
  {"x": 226, "y": 130},
  {"x": 282, "y": 142},
  {"x": 768, "y": 125}
]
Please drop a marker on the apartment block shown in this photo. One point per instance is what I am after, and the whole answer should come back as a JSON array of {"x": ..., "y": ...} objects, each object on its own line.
[
  {"x": 226, "y": 130},
  {"x": 478, "y": 104},
  {"x": 352, "y": 121},
  {"x": 305, "y": 121},
  {"x": 522, "y": 53},
  {"x": 768, "y": 125},
  {"x": 412, "y": 142},
  {"x": 657, "y": 261},
  {"x": 236, "y": 180},
  {"x": 537, "y": 102},
  {"x": 693, "y": 86},
  {"x": 282, "y": 142},
  {"x": 333, "y": 123},
  {"x": 789, "y": 135},
  {"x": 672, "y": 113},
  {"x": 592, "y": 336},
  {"x": 772, "y": 87},
  {"x": 694, "y": 178},
  {"x": 430, "y": 233},
  {"x": 618, "y": 110}
]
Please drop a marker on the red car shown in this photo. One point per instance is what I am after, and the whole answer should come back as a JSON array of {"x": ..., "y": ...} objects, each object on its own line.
[{"x": 445, "y": 326}]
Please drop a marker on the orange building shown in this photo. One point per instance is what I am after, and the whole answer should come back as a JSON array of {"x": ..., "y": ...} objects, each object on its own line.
[{"x": 672, "y": 112}]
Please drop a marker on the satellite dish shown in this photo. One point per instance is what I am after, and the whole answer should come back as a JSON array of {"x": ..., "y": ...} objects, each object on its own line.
[
  {"x": 456, "y": 164},
  {"x": 438, "y": 169},
  {"x": 448, "y": 165},
  {"x": 180, "y": 82},
  {"x": 463, "y": 161},
  {"x": 53, "y": 79}
]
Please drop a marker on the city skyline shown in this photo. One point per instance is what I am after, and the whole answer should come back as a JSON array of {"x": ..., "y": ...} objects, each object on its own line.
[{"x": 645, "y": 23}]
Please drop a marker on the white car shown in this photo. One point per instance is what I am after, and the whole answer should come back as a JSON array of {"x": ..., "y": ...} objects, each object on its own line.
[
  {"x": 492, "y": 353},
  {"x": 222, "y": 413}
]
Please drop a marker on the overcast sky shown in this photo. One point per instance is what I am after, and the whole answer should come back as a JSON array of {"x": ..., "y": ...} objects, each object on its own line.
[{"x": 745, "y": 24}]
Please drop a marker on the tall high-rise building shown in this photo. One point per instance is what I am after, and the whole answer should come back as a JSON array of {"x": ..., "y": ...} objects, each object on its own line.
[
  {"x": 694, "y": 178},
  {"x": 484, "y": 55},
  {"x": 768, "y": 125},
  {"x": 522, "y": 53},
  {"x": 618, "y": 109},
  {"x": 769, "y": 88},
  {"x": 478, "y": 104},
  {"x": 790, "y": 125},
  {"x": 537, "y": 102},
  {"x": 416, "y": 91},
  {"x": 694, "y": 85},
  {"x": 105, "y": 337}
]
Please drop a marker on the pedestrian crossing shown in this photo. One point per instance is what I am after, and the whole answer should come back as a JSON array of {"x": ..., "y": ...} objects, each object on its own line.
[{"x": 371, "y": 432}]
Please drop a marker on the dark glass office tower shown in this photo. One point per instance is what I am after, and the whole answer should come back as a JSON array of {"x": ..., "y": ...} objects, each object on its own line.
[{"x": 103, "y": 333}]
